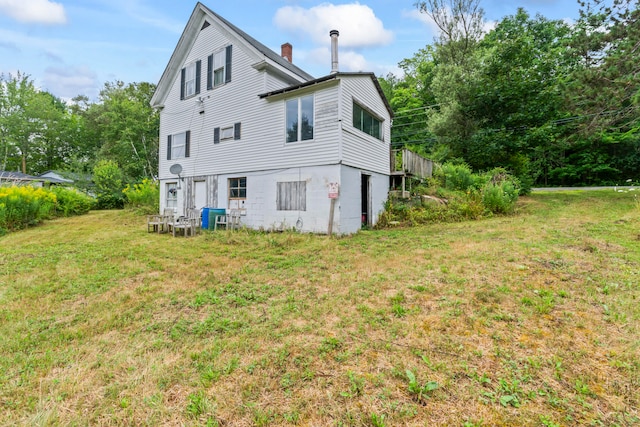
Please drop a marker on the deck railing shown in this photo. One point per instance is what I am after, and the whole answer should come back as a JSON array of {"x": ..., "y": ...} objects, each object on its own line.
[{"x": 409, "y": 163}]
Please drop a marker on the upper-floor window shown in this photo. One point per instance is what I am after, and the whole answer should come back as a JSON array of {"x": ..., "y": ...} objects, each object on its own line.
[
  {"x": 228, "y": 132},
  {"x": 190, "y": 80},
  {"x": 299, "y": 119},
  {"x": 178, "y": 145},
  {"x": 219, "y": 67},
  {"x": 366, "y": 122}
]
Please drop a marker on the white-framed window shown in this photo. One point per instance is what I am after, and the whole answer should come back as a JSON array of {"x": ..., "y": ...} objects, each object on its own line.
[
  {"x": 178, "y": 145},
  {"x": 172, "y": 194},
  {"x": 237, "y": 193},
  {"x": 226, "y": 133},
  {"x": 190, "y": 80},
  {"x": 291, "y": 196},
  {"x": 219, "y": 67},
  {"x": 365, "y": 121},
  {"x": 299, "y": 119}
]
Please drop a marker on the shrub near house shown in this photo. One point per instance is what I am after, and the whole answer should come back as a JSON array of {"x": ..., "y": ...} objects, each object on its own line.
[{"x": 456, "y": 194}]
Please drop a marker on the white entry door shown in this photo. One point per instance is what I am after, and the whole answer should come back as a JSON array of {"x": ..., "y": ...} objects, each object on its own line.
[{"x": 200, "y": 190}]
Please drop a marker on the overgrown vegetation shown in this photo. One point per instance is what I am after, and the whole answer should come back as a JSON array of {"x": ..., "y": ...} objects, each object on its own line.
[
  {"x": 454, "y": 193},
  {"x": 143, "y": 197},
  {"x": 526, "y": 320},
  {"x": 553, "y": 103},
  {"x": 23, "y": 206}
]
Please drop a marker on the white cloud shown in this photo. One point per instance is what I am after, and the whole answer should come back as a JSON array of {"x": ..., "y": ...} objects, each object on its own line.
[
  {"x": 415, "y": 14},
  {"x": 358, "y": 24},
  {"x": 348, "y": 60},
  {"x": 67, "y": 82},
  {"x": 432, "y": 27},
  {"x": 34, "y": 11}
]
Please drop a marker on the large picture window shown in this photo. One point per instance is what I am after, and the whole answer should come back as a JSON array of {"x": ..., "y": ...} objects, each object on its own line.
[
  {"x": 299, "y": 119},
  {"x": 366, "y": 122}
]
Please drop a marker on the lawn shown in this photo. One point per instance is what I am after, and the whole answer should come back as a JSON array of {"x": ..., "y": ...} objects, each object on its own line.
[{"x": 527, "y": 320}]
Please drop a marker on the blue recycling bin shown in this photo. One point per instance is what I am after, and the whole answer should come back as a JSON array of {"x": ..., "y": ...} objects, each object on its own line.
[
  {"x": 209, "y": 216},
  {"x": 205, "y": 218}
]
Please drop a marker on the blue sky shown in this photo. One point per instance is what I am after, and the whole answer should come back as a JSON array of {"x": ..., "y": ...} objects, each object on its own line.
[{"x": 72, "y": 47}]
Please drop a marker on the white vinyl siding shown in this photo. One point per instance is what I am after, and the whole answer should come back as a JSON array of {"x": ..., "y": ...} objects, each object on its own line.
[{"x": 361, "y": 90}]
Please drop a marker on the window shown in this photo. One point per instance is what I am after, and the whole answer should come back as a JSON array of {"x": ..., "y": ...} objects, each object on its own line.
[
  {"x": 226, "y": 133},
  {"x": 366, "y": 122},
  {"x": 172, "y": 194},
  {"x": 190, "y": 80},
  {"x": 178, "y": 145},
  {"x": 229, "y": 132},
  {"x": 300, "y": 119},
  {"x": 237, "y": 193},
  {"x": 219, "y": 68},
  {"x": 292, "y": 196}
]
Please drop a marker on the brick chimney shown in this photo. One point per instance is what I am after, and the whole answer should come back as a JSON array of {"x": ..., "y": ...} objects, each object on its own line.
[{"x": 287, "y": 52}]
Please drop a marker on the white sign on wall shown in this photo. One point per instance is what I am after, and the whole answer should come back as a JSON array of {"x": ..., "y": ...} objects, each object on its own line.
[{"x": 334, "y": 190}]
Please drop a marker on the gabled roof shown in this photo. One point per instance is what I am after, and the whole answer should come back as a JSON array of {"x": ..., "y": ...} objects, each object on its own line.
[
  {"x": 189, "y": 36},
  {"x": 55, "y": 177},
  {"x": 334, "y": 76}
]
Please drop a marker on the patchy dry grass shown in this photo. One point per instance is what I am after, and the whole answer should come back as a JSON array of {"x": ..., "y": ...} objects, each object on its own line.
[{"x": 526, "y": 320}]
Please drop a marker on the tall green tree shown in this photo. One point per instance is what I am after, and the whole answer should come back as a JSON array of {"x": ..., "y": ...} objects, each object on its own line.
[
  {"x": 456, "y": 58},
  {"x": 410, "y": 98},
  {"x": 34, "y": 126},
  {"x": 518, "y": 102},
  {"x": 604, "y": 93},
  {"x": 127, "y": 128}
]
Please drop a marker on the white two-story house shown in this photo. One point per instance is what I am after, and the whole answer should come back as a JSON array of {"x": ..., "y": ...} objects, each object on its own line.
[{"x": 243, "y": 128}]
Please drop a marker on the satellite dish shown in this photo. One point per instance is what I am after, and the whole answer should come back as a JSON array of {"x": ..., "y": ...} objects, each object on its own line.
[{"x": 176, "y": 169}]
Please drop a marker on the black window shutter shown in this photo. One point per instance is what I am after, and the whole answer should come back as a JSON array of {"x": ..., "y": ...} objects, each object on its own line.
[
  {"x": 216, "y": 136},
  {"x": 227, "y": 66},
  {"x": 210, "y": 72},
  {"x": 187, "y": 144},
  {"x": 236, "y": 131},
  {"x": 168, "y": 147},
  {"x": 182, "y": 74},
  {"x": 198, "y": 71}
]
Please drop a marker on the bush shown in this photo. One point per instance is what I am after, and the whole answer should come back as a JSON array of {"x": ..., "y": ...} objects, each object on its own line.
[
  {"x": 458, "y": 177},
  {"x": 108, "y": 179},
  {"x": 456, "y": 194},
  {"x": 144, "y": 197},
  {"x": 500, "y": 194},
  {"x": 22, "y": 206},
  {"x": 71, "y": 201}
]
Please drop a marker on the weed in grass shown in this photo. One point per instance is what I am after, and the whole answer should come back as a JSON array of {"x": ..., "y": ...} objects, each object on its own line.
[
  {"x": 418, "y": 390},
  {"x": 198, "y": 405},
  {"x": 356, "y": 385},
  {"x": 378, "y": 420},
  {"x": 548, "y": 422}
]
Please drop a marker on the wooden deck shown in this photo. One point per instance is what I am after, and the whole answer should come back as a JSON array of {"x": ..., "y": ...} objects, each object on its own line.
[{"x": 407, "y": 164}]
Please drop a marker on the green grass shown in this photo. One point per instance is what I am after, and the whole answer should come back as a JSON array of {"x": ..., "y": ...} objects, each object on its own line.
[{"x": 525, "y": 320}]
